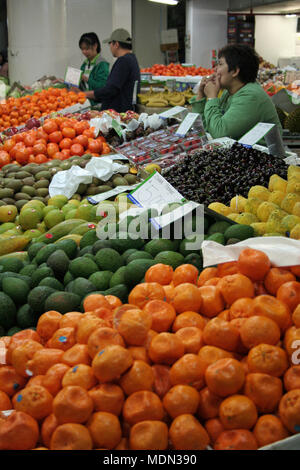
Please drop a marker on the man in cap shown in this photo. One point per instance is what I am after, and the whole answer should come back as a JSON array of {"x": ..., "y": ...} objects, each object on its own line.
[{"x": 124, "y": 79}]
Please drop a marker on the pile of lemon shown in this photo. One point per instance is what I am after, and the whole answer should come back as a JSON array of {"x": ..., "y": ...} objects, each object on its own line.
[{"x": 272, "y": 211}]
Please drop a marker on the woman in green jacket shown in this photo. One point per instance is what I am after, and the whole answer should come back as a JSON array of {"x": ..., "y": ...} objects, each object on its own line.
[
  {"x": 95, "y": 68},
  {"x": 242, "y": 104}
]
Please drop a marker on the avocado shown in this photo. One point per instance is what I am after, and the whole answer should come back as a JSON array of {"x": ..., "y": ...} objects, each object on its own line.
[{"x": 239, "y": 231}]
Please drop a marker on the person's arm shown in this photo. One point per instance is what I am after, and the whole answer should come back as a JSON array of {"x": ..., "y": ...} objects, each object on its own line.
[
  {"x": 114, "y": 84},
  {"x": 98, "y": 76}
]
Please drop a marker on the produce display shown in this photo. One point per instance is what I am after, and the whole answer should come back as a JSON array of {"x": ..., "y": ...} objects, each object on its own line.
[
  {"x": 176, "y": 70},
  {"x": 165, "y": 98},
  {"x": 16, "y": 111},
  {"x": 181, "y": 366}
]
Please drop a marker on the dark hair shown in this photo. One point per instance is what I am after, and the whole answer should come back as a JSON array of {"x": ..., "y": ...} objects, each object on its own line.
[
  {"x": 243, "y": 57},
  {"x": 4, "y": 56},
  {"x": 90, "y": 39},
  {"x": 124, "y": 45}
]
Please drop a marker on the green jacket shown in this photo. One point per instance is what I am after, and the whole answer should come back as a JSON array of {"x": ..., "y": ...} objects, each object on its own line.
[
  {"x": 234, "y": 115},
  {"x": 98, "y": 75}
]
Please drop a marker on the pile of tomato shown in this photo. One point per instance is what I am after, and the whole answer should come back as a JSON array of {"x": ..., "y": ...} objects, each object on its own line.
[
  {"x": 176, "y": 70},
  {"x": 16, "y": 111},
  {"x": 58, "y": 138}
]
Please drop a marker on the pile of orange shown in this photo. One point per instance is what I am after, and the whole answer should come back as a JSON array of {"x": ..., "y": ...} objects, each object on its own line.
[
  {"x": 58, "y": 138},
  {"x": 192, "y": 360},
  {"x": 16, "y": 111},
  {"x": 176, "y": 70}
]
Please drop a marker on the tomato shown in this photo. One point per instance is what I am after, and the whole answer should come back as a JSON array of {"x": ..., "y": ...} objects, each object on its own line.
[
  {"x": 50, "y": 126},
  {"x": 58, "y": 156},
  {"x": 95, "y": 146},
  {"x": 4, "y": 158},
  {"x": 21, "y": 156},
  {"x": 20, "y": 137},
  {"x": 82, "y": 140},
  {"x": 9, "y": 144},
  {"x": 41, "y": 134},
  {"x": 80, "y": 126},
  {"x": 52, "y": 148},
  {"x": 29, "y": 140},
  {"x": 89, "y": 133},
  {"x": 66, "y": 153},
  {"x": 39, "y": 148},
  {"x": 106, "y": 149},
  {"x": 101, "y": 138},
  {"x": 41, "y": 158},
  {"x": 56, "y": 137},
  {"x": 68, "y": 132},
  {"x": 77, "y": 149},
  {"x": 65, "y": 143}
]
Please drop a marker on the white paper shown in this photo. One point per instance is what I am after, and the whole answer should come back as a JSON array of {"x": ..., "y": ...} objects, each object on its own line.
[
  {"x": 156, "y": 190},
  {"x": 117, "y": 190},
  {"x": 186, "y": 124},
  {"x": 173, "y": 216},
  {"x": 257, "y": 133},
  {"x": 172, "y": 112},
  {"x": 73, "y": 76},
  {"x": 282, "y": 251}
]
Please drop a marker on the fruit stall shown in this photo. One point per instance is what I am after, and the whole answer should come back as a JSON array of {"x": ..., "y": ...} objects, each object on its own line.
[{"x": 134, "y": 340}]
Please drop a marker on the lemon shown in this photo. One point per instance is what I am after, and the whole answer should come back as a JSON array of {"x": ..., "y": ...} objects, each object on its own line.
[
  {"x": 293, "y": 170},
  {"x": 289, "y": 201},
  {"x": 153, "y": 167},
  {"x": 265, "y": 209},
  {"x": 276, "y": 183},
  {"x": 289, "y": 222},
  {"x": 295, "y": 232},
  {"x": 259, "y": 228},
  {"x": 246, "y": 218},
  {"x": 252, "y": 205},
  {"x": 260, "y": 192},
  {"x": 277, "y": 197},
  {"x": 237, "y": 203},
  {"x": 233, "y": 216},
  {"x": 220, "y": 208}
]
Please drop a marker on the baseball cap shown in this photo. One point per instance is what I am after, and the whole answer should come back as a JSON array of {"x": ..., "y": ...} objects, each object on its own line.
[{"x": 120, "y": 35}]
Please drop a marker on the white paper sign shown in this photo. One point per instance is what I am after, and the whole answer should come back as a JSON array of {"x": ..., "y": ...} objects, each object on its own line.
[
  {"x": 103, "y": 196},
  {"x": 186, "y": 124},
  {"x": 172, "y": 112},
  {"x": 256, "y": 133},
  {"x": 73, "y": 76},
  {"x": 155, "y": 190},
  {"x": 167, "y": 219}
]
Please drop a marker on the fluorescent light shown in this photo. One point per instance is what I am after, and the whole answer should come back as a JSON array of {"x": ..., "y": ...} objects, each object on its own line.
[
  {"x": 167, "y": 2},
  {"x": 290, "y": 15}
]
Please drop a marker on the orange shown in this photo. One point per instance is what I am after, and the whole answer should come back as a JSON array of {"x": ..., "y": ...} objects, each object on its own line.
[
  {"x": 113, "y": 301},
  {"x": 166, "y": 348},
  {"x": 162, "y": 381},
  {"x": 188, "y": 319},
  {"x": 192, "y": 339},
  {"x": 268, "y": 429},
  {"x": 291, "y": 378},
  {"x": 289, "y": 410},
  {"x": 5, "y": 403},
  {"x": 273, "y": 308},
  {"x": 259, "y": 329},
  {"x": 289, "y": 294},
  {"x": 149, "y": 435},
  {"x": 118, "y": 312},
  {"x": 123, "y": 444},
  {"x": 294, "y": 269},
  {"x": 81, "y": 375},
  {"x": 49, "y": 425},
  {"x": 139, "y": 353},
  {"x": 150, "y": 335},
  {"x": 47, "y": 324},
  {"x": 37, "y": 380},
  {"x": 221, "y": 334},
  {"x": 238, "y": 412},
  {"x": 296, "y": 316},
  {"x": 139, "y": 377},
  {"x": 105, "y": 314},
  {"x": 206, "y": 274},
  {"x": 105, "y": 430},
  {"x": 169, "y": 293},
  {"x": 142, "y": 293},
  {"x": 35, "y": 401},
  {"x": 210, "y": 354},
  {"x": 187, "y": 371},
  {"x": 187, "y": 297},
  {"x": 214, "y": 428},
  {"x": 237, "y": 439},
  {"x": 43, "y": 359},
  {"x": 52, "y": 380},
  {"x": 209, "y": 404},
  {"x": 19, "y": 431},
  {"x": 134, "y": 326},
  {"x": 225, "y": 377},
  {"x": 264, "y": 390},
  {"x": 291, "y": 343},
  {"x": 185, "y": 273},
  {"x": 63, "y": 338},
  {"x": 212, "y": 301},
  {"x": 241, "y": 308},
  {"x": 267, "y": 359},
  {"x": 276, "y": 277},
  {"x": 107, "y": 397},
  {"x": 235, "y": 287},
  {"x": 186, "y": 433},
  {"x": 254, "y": 264},
  {"x": 227, "y": 269},
  {"x": 17, "y": 339},
  {"x": 212, "y": 282},
  {"x": 160, "y": 273},
  {"x": 10, "y": 380},
  {"x": 86, "y": 326},
  {"x": 181, "y": 399},
  {"x": 141, "y": 406},
  {"x": 71, "y": 436},
  {"x": 22, "y": 354},
  {"x": 162, "y": 313},
  {"x": 111, "y": 362},
  {"x": 94, "y": 301},
  {"x": 77, "y": 354},
  {"x": 72, "y": 404},
  {"x": 101, "y": 338},
  {"x": 70, "y": 319}
]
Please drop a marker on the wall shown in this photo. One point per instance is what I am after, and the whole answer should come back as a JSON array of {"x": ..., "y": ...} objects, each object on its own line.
[
  {"x": 275, "y": 37},
  {"x": 245, "y": 4},
  {"x": 207, "y": 29},
  {"x": 3, "y": 25},
  {"x": 43, "y": 34},
  {"x": 148, "y": 21}
]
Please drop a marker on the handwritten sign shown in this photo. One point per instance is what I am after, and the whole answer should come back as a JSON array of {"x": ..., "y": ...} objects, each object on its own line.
[
  {"x": 256, "y": 133},
  {"x": 186, "y": 124},
  {"x": 73, "y": 76}
]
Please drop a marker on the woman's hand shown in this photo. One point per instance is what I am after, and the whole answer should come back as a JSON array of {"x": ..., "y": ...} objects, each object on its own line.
[
  {"x": 212, "y": 88},
  {"x": 205, "y": 80},
  {"x": 85, "y": 78}
]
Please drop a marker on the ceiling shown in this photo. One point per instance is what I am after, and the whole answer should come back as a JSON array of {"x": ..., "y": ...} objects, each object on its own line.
[{"x": 288, "y": 6}]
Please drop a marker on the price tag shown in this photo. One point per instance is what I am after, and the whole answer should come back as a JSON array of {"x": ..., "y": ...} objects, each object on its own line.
[
  {"x": 103, "y": 196},
  {"x": 117, "y": 127},
  {"x": 186, "y": 124},
  {"x": 117, "y": 156},
  {"x": 73, "y": 76},
  {"x": 172, "y": 112},
  {"x": 155, "y": 190},
  {"x": 256, "y": 133},
  {"x": 177, "y": 214}
]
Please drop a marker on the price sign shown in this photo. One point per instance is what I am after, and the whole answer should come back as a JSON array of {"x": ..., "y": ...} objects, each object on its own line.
[
  {"x": 155, "y": 190},
  {"x": 172, "y": 112},
  {"x": 256, "y": 133},
  {"x": 108, "y": 194},
  {"x": 173, "y": 216},
  {"x": 117, "y": 127},
  {"x": 186, "y": 124},
  {"x": 73, "y": 76}
]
